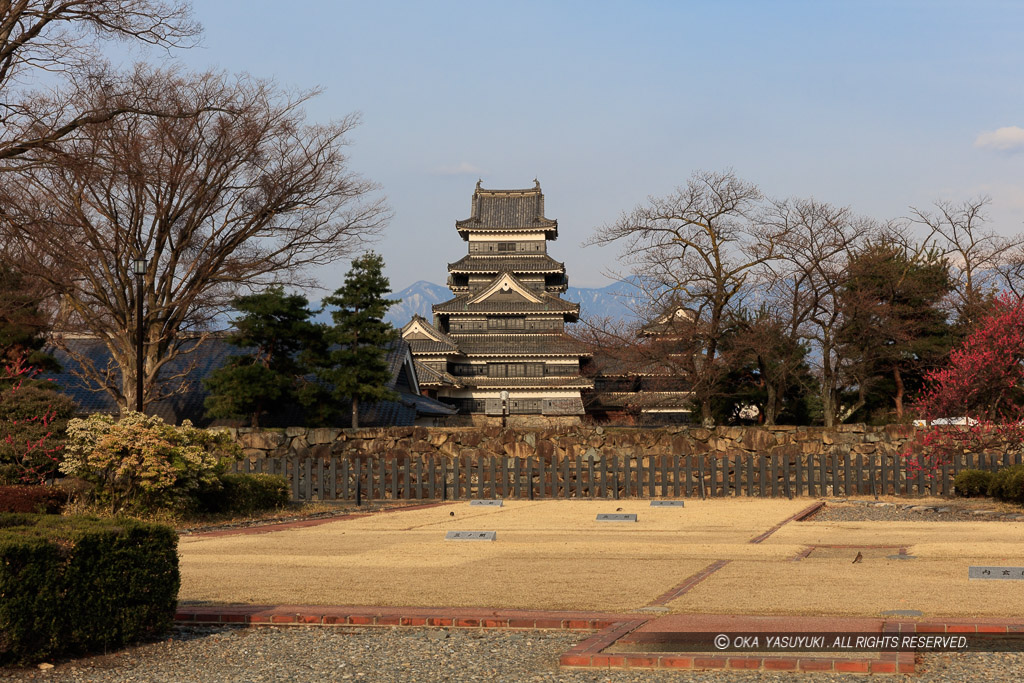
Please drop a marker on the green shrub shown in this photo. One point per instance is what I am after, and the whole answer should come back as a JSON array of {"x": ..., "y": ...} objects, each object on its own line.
[
  {"x": 998, "y": 487},
  {"x": 972, "y": 483},
  {"x": 40, "y": 499},
  {"x": 1008, "y": 484},
  {"x": 72, "y": 585},
  {"x": 1013, "y": 490},
  {"x": 34, "y": 419},
  {"x": 142, "y": 464},
  {"x": 245, "y": 494}
]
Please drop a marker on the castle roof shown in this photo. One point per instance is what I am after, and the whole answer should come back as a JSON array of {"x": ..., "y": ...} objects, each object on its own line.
[
  {"x": 531, "y": 382},
  {"x": 529, "y": 344},
  {"x": 429, "y": 377},
  {"x": 547, "y": 304},
  {"x": 424, "y": 338},
  {"x": 508, "y": 211},
  {"x": 502, "y": 264}
]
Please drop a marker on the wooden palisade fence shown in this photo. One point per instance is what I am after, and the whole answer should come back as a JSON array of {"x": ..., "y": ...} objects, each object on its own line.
[{"x": 667, "y": 476}]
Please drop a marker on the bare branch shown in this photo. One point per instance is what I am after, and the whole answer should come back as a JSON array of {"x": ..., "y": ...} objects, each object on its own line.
[
  {"x": 240, "y": 196},
  {"x": 699, "y": 249},
  {"x": 62, "y": 37}
]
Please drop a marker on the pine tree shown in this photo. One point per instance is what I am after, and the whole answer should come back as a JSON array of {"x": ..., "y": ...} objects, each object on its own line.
[
  {"x": 280, "y": 335},
  {"x": 356, "y": 364},
  {"x": 894, "y": 327}
]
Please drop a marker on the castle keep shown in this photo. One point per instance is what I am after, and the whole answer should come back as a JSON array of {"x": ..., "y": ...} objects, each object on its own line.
[{"x": 505, "y": 328}]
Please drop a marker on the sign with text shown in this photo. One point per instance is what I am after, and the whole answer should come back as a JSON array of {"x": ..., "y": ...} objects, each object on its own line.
[
  {"x": 616, "y": 518},
  {"x": 667, "y": 504},
  {"x": 471, "y": 536},
  {"x": 999, "y": 573},
  {"x": 489, "y": 503}
]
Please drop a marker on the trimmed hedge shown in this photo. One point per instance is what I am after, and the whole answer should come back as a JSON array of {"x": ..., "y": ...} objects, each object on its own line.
[
  {"x": 972, "y": 483},
  {"x": 72, "y": 585},
  {"x": 39, "y": 499},
  {"x": 1008, "y": 484},
  {"x": 245, "y": 494}
]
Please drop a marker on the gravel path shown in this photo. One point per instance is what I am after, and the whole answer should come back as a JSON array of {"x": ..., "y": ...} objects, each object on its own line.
[
  {"x": 957, "y": 510},
  {"x": 316, "y": 654}
]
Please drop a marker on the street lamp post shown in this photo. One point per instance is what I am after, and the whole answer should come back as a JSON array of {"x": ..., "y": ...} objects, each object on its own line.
[
  {"x": 504, "y": 407},
  {"x": 139, "y": 268}
]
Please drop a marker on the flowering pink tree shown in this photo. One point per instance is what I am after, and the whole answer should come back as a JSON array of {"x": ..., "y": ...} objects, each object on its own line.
[{"x": 980, "y": 391}]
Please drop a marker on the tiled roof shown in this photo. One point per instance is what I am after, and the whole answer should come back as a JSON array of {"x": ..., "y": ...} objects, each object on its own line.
[
  {"x": 507, "y": 264},
  {"x": 550, "y": 303},
  {"x": 429, "y": 377},
  {"x": 188, "y": 405},
  {"x": 211, "y": 355},
  {"x": 570, "y": 382},
  {"x": 425, "y": 405},
  {"x": 504, "y": 210},
  {"x": 429, "y": 329},
  {"x": 425, "y": 346},
  {"x": 520, "y": 345},
  {"x": 641, "y": 399}
]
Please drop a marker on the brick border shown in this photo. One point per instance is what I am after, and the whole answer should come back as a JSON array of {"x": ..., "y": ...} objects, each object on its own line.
[
  {"x": 590, "y": 653},
  {"x": 303, "y": 523},
  {"x": 798, "y": 517},
  {"x": 312, "y": 615},
  {"x": 802, "y": 554},
  {"x": 688, "y": 584},
  {"x": 691, "y": 581}
]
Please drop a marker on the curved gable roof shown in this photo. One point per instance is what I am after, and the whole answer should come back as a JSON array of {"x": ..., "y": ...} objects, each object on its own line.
[{"x": 508, "y": 210}]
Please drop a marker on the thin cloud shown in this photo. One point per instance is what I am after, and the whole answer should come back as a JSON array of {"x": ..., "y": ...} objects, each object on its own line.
[
  {"x": 1007, "y": 139},
  {"x": 464, "y": 168}
]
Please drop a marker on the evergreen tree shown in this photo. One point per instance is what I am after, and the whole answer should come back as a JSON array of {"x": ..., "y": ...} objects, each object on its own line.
[
  {"x": 894, "y": 327},
  {"x": 763, "y": 365},
  {"x": 356, "y": 364},
  {"x": 277, "y": 330}
]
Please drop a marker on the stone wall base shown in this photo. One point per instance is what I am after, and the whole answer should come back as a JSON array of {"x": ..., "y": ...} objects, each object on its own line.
[
  {"x": 568, "y": 438},
  {"x": 513, "y": 421}
]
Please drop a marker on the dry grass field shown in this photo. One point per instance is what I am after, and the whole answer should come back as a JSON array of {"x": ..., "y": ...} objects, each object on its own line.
[{"x": 555, "y": 555}]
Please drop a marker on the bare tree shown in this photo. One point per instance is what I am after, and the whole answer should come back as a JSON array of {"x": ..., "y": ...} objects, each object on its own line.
[
  {"x": 697, "y": 249},
  {"x": 637, "y": 363},
  {"x": 60, "y": 38},
  {"x": 818, "y": 243},
  {"x": 982, "y": 261},
  {"x": 1011, "y": 271},
  {"x": 244, "y": 195}
]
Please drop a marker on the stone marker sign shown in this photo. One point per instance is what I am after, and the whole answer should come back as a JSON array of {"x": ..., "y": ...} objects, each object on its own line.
[
  {"x": 490, "y": 503},
  {"x": 616, "y": 518},
  {"x": 471, "y": 536},
  {"x": 1001, "y": 573},
  {"x": 667, "y": 504}
]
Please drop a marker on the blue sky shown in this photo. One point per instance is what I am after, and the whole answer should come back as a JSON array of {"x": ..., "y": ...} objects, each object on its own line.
[{"x": 874, "y": 105}]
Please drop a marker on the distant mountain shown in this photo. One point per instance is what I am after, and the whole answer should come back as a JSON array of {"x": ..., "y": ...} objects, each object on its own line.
[
  {"x": 416, "y": 298},
  {"x": 611, "y": 301}
]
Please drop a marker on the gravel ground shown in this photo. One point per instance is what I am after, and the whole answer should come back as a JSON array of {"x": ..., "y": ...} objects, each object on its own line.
[
  {"x": 214, "y": 654},
  {"x": 958, "y": 510}
]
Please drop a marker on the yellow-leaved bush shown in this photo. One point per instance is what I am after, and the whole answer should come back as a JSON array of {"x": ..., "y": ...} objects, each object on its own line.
[{"x": 140, "y": 463}]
